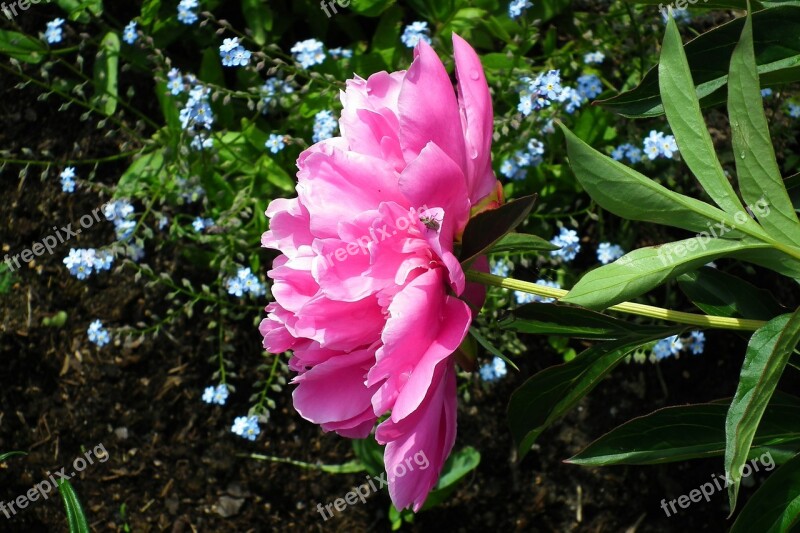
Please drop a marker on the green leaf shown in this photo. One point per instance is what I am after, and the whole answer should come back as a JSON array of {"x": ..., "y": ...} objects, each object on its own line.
[
  {"x": 554, "y": 319},
  {"x": 522, "y": 243},
  {"x": 5, "y": 456},
  {"x": 777, "y": 45},
  {"x": 641, "y": 270},
  {"x": 548, "y": 395},
  {"x": 144, "y": 172},
  {"x": 21, "y": 47},
  {"x": 370, "y": 454},
  {"x": 767, "y": 353},
  {"x": 489, "y": 347},
  {"x": 259, "y": 19},
  {"x": 487, "y": 228},
  {"x": 756, "y": 167},
  {"x": 691, "y": 134},
  {"x": 689, "y": 432},
  {"x": 106, "y": 70},
  {"x": 631, "y": 195},
  {"x": 368, "y": 8},
  {"x": 718, "y": 293},
  {"x": 457, "y": 466},
  {"x": 775, "y": 507},
  {"x": 149, "y": 12},
  {"x": 756, "y": 5},
  {"x": 75, "y": 515},
  {"x": 81, "y": 10}
]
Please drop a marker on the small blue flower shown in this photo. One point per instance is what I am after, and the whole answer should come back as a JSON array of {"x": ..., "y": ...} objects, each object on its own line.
[
  {"x": 200, "y": 224},
  {"x": 697, "y": 342},
  {"x": 414, "y": 33},
  {"x": 679, "y": 14},
  {"x": 667, "y": 347},
  {"x": 594, "y": 58},
  {"x": 794, "y": 110},
  {"x": 245, "y": 282},
  {"x": 324, "y": 126},
  {"x": 516, "y": 7},
  {"x": 607, "y": 252},
  {"x": 494, "y": 370},
  {"x": 68, "y": 180},
  {"x": 309, "y": 53},
  {"x": 197, "y": 113},
  {"x": 275, "y": 143},
  {"x": 523, "y": 298},
  {"x": 273, "y": 88},
  {"x": 574, "y": 99},
  {"x": 336, "y": 53},
  {"x": 98, "y": 334},
  {"x": 590, "y": 86},
  {"x": 569, "y": 245},
  {"x": 618, "y": 153},
  {"x": 766, "y": 92},
  {"x": 233, "y": 54},
  {"x": 217, "y": 395},
  {"x": 175, "y": 82},
  {"x": 246, "y": 427},
  {"x": 129, "y": 34},
  {"x": 54, "y": 32},
  {"x": 659, "y": 145},
  {"x": 186, "y": 11}
]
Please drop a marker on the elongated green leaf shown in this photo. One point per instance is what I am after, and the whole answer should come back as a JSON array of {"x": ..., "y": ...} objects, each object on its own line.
[
  {"x": 633, "y": 196},
  {"x": 767, "y": 353},
  {"x": 149, "y": 12},
  {"x": 75, "y": 515},
  {"x": 259, "y": 19},
  {"x": 485, "y": 229},
  {"x": 689, "y": 432},
  {"x": 646, "y": 268},
  {"x": 777, "y": 45},
  {"x": 554, "y": 319},
  {"x": 7, "y": 455},
  {"x": 691, "y": 134},
  {"x": 522, "y": 243},
  {"x": 489, "y": 347},
  {"x": 106, "y": 70},
  {"x": 775, "y": 508},
  {"x": 721, "y": 294},
  {"x": 546, "y": 396},
  {"x": 757, "y": 169},
  {"x": 21, "y": 47},
  {"x": 81, "y": 10}
]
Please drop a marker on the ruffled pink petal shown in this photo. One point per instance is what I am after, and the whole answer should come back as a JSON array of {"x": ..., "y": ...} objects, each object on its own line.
[{"x": 418, "y": 445}]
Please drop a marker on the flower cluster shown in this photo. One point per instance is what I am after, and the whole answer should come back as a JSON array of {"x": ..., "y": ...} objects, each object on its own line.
[
  {"x": 516, "y": 8},
  {"x": 494, "y": 370},
  {"x": 589, "y": 86},
  {"x": 674, "y": 345},
  {"x": 537, "y": 93},
  {"x": 246, "y": 427},
  {"x": 201, "y": 224},
  {"x": 234, "y": 54},
  {"x": 187, "y": 13},
  {"x": 273, "y": 88},
  {"x": 569, "y": 245},
  {"x": 414, "y": 33},
  {"x": 659, "y": 145},
  {"x": 324, "y": 126},
  {"x": 337, "y": 53},
  {"x": 245, "y": 282},
  {"x": 794, "y": 110},
  {"x": 523, "y": 298},
  {"x": 633, "y": 153},
  {"x": 309, "y": 53},
  {"x": 83, "y": 262},
  {"x": 68, "y": 180},
  {"x": 515, "y": 167},
  {"x": 501, "y": 268},
  {"x": 129, "y": 34},
  {"x": 608, "y": 253},
  {"x": 98, "y": 334},
  {"x": 275, "y": 143},
  {"x": 120, "y": 212},
  {"x": 217, "y": 395},
  {"x": 197, "y": 117},
  {"x": 54, "y": 32},
  {"x": 594, "y": 58}
]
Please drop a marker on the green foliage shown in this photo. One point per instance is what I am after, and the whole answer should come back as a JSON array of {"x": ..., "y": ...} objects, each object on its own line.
[{"x": 76, "y": 518}]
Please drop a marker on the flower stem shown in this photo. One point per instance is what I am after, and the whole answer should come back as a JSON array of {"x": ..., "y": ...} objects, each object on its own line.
[{"x": 707, "y": 321}]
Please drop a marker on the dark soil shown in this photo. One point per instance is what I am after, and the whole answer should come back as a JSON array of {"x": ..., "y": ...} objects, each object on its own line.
[{"x": 173, "y": 465}]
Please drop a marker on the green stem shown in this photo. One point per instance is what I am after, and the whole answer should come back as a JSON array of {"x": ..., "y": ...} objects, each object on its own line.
[{"x": 706, "y": 321}]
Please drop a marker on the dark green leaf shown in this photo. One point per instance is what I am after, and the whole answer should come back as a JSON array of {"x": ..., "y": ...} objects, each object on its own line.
[
  {"x": 775, "y": 508},
  {"x": 522, "y": 243},
  {"x": 259, "y": 19},
  {"x": 106, "y": 70},
  {"x": 718, "y": 293},
  {"x": 767, "y": 353},
  {"x": 487, "y": 228},
  {"x": 370, "y": 454},
  {"x": 21, "y": 47},
  {"x": 689, "y": 432},
  {"x": 554, "y": 319},
  {"x": 548, "y": 395},
  {"x": 5, "y": 456},
  {"x": 489, "y": 347},
  {"x": 368, "y": 8},
  {"x": 777, "y": 45}
]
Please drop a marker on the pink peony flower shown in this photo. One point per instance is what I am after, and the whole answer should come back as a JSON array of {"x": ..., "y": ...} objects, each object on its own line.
[{"x": 367, "y": 287}]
